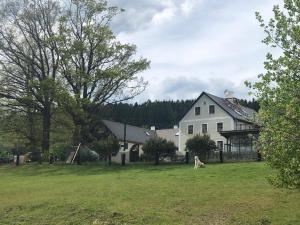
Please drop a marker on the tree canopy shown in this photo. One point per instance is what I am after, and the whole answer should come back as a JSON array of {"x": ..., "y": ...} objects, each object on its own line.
[
  {"x": 278, "y": 93},
  {"x": 63, "y": 55}
]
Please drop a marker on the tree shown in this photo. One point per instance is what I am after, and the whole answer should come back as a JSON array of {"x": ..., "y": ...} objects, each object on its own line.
[
  {"x": 28, "y": 58},
  {"x": 155, "y": 148},
  {"x": 107, "y": 147},
  {"x": 96, "y": 68},
  {"x": 63, "y": 54},
  {"x": 278, "y": 93},
  {"x": 200, "y": 146}
]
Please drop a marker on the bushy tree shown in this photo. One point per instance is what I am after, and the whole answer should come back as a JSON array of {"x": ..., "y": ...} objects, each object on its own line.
[
  {"x": 278, "y": 93},
  {"x": 96, "y": 68},
  {"x": 200, "y": 146},
  {"x": 155, "y": 148},
  {"x": 107, "y": 147}
]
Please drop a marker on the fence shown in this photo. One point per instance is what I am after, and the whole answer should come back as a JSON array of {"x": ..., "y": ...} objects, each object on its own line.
[{"x": 235, "y": 156}]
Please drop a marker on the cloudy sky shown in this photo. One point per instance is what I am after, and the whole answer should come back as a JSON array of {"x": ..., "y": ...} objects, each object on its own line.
[{"x": 195, "y": 45}]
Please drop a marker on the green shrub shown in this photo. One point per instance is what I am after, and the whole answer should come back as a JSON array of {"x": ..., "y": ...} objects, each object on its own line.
[
  {"x": 200, "y": 146},
  {"x": 155, "y": 148},
  {"x": 106, "y": 147}
]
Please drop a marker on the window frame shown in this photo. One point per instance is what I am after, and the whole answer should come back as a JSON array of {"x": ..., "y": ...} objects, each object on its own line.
[
  {"x": 218, "y": 141},
  {"x": 222, "y": 126},
  {"x": 209, "y": 112},
  {"x": 188, "y": 126},
  {"x": 197, "y": 107},
  {"x": 202, "y": 128}
]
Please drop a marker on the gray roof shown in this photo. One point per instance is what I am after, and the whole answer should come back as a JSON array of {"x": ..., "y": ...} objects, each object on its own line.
[
  {"x": 238, "y": 112},
  {"x": 170, "y": 135},
  {"x": 133, "y": 134}
]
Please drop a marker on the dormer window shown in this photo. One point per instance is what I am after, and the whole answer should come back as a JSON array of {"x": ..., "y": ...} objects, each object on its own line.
[
  {"x": 197, "y": 111},
  {"x": 211, "y": 109}
]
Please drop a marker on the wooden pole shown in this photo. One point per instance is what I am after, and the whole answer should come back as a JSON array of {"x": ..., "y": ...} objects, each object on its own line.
[
  {"x": 124, "y": 146},
  {"x": 72, "y": 161}
]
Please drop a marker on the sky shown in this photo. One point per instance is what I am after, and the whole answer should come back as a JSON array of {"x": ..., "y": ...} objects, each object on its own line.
[{"x": 195, "y": 45}]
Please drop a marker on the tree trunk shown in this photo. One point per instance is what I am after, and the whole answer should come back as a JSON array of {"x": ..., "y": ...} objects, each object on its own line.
[
  {"x": 109, "y": 159},
  {"x": 46, "y": 129},
  {"x": 187, "y": 157},
  {"x": 31, "y": 131},
  {"x": 156, "y": 158}
]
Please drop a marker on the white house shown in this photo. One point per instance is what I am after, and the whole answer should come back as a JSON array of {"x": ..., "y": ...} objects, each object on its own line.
[{"x": 229, "y": 124}]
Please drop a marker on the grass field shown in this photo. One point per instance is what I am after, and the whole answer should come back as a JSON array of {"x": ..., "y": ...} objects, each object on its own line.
[{"x": 144, "y": 194}]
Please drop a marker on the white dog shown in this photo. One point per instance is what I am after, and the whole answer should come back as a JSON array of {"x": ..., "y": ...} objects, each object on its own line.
[{"x": 198, "y": 163}]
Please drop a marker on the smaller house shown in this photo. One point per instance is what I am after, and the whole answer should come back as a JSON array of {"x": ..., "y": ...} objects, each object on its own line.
[
  {"x": 131, "y": 139},
  {"x": 170, "y": 135}
]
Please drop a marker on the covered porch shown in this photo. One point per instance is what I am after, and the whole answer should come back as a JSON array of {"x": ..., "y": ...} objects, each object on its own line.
[{"x": 241, "y": 141}]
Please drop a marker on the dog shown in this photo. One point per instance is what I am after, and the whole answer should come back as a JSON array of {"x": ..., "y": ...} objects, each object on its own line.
[{"x": 198, "y": 163}]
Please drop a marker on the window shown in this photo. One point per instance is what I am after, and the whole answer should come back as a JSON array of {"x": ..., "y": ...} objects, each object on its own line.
[
  {"x": 220, "y": 145},
  {"x": 190, "y": 129},
  {"x": 219, "y": 127},
  {"x": 197, "y": 111},
  {"x": 204, "y": 128},
  {"x": 211, "y": 109}
]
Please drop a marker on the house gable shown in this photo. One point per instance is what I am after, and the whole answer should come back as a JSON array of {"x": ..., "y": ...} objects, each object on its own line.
[{"x": 204, "y": 101}]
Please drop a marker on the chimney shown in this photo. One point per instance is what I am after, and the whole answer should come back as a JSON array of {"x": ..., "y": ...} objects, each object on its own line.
[
  {"x": 152, "y": 128},
  {"x": 229, "y": 97}
]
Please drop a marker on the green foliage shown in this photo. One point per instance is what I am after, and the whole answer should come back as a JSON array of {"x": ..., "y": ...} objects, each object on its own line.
[
  {"x": 106, "y": 146},
  {"x": 159, "y": 146},
  {"x": 200, "y": 146},
  {"x": 87, "y": 155},
  {"x": 95, "y": 66},
  {"x": 161, "y": 114},
  {"x": 278, "y": 93}
]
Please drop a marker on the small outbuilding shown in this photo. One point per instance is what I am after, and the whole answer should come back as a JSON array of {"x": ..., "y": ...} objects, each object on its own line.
[{"x": 131, "y": 139}]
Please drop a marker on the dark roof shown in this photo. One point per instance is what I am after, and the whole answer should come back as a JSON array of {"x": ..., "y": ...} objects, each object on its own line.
[
  {"x": 230, "y": 133},
  {"x": 133, "y": 134},
  {"x": 237, "y": 112}
]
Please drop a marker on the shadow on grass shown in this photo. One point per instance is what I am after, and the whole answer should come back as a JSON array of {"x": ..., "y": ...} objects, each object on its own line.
[{"x": 85, "y": 169}]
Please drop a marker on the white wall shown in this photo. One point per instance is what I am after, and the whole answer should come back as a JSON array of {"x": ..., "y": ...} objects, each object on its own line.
[
  {"x": 210, "y": 119},
  {"x": 118, "y": 157}
]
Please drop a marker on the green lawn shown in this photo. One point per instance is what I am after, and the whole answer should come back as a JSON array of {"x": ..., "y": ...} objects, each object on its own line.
[{"x": 144, "y": 194}]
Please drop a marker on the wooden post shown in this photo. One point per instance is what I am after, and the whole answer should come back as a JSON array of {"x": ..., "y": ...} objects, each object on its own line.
[
  {"x": 187, "y": 157},
  {"x": 123, "y": 159},
  {"x": 124, "y": 146},
  {"x": 156, "y": 158},
  {"x": 18, "y": 159},
  {"x": 109, "y": 159},
  {"x": 51, "y": 158},
  {"x": 221, "y": 156}
]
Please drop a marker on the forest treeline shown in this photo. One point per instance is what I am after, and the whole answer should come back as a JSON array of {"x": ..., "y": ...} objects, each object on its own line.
[{"x": 161, "y": 114}]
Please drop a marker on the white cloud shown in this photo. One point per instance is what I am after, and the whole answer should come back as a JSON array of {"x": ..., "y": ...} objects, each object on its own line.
[
  {"x": 188, "y": 5},
  {"x": 165, "y": 15},
  {"x": 215, "y": 43}
]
